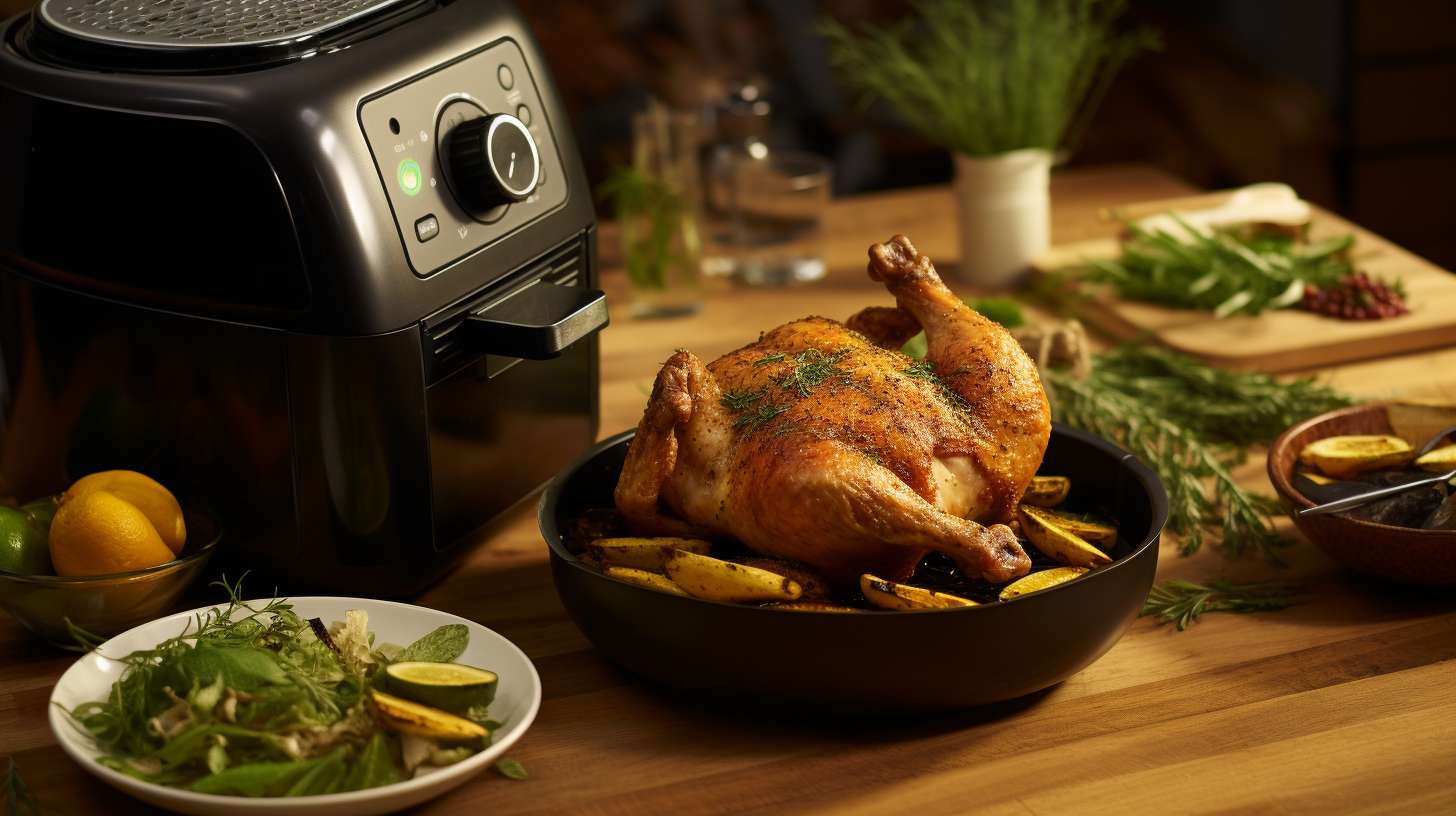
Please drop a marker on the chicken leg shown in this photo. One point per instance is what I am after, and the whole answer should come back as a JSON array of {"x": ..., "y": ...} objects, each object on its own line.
[{"x": 977, "y": 359}]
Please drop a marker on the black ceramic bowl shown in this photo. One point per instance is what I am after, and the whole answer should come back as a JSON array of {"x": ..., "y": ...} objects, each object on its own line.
[{"x": 876, "y": 662}]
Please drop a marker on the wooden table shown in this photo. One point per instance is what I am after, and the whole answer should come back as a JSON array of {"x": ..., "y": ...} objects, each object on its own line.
[{"x": 1343, "y": 704}]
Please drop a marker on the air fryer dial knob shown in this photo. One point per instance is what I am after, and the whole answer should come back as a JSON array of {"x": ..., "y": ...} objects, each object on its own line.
[{"x": 493, "y": 161}]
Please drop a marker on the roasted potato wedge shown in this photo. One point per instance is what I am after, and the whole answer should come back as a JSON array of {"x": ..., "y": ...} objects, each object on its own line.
[
  {"x": 713, "y": 579},
  {"x": 642, "y": 553},
  {"x": 1345, "y": 457},
  {"x": 891, "y": 595},
  {"x": 816, "y": 586},
  {"x": 1096, "y": 532},
  {"x": 1059, "y": 543},
  {"x": 811, "y": 606},
  {"x": 1439, "y": 460},
  {"x": 643, "y": 578},
  {"x": 1047, "y": 491},
  {"x": 1037, "y": 581}
]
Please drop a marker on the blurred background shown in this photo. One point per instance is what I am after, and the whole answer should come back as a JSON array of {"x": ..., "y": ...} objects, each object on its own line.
[{"x": 1353, "y": 102}]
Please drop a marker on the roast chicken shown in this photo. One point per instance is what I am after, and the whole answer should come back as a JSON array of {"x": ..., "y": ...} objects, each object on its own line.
[{"x": 824, "y": 444}]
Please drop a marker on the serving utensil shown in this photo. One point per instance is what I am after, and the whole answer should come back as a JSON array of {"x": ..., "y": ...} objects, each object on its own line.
[{"x": 1376, "y": 494}]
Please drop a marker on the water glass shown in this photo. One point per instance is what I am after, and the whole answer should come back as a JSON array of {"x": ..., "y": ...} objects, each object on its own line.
[
  {"x": 778, "y": 217},
  {"x": 661, "y": 244}
]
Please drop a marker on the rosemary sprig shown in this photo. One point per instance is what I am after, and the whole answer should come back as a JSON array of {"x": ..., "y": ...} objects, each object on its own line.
[
  {"x": 1234, "y": 408},
  {"x": 651, "y": 213},
  {"x": 986, "y": 78},
  {"x": 1183, "y": 462},
  {"x": 18, "y": 797},
  {"x": 1181, "y": 602},
  {"x": 1191, "y": 423},
  {"x": 1224, "y": 272}
]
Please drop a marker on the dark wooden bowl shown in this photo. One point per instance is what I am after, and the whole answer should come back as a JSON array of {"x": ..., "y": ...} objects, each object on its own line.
[
  {"x": 1397, "y": 553},
  {"x": 876, "y": 662}
]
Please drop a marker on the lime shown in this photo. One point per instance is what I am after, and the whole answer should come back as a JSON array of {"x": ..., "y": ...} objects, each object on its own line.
[
  {"x": 447, "y": 686},
  {"x": 23, "y": 546}
]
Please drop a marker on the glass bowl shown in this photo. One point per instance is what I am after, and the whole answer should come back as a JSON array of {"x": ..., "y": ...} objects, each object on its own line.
[{"x": 106, "y": 605}]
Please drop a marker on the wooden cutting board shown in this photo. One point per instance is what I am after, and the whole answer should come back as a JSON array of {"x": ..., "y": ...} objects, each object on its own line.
[{"x": 1286, "y": 339}]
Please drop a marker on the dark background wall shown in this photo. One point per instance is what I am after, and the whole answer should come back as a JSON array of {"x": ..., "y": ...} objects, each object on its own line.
[{"x": 1351, "y": 101}]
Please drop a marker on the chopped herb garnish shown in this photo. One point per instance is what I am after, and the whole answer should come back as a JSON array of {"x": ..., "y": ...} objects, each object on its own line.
[
  {"x": 769, "y": 358},
  {"x": 811, "y": 368},
  {"x": 925, "y": 370},
  {"x": 740, "y": 400},
  {"x": 922, "y": 370},
  {"x": 760, "y": 416}
]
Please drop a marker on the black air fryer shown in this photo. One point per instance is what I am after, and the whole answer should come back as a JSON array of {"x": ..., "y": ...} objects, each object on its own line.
[{"x": 325, "y": 268}]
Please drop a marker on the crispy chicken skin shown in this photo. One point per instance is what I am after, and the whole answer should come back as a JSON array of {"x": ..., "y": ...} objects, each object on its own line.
[{"x": 822, "y": 443}]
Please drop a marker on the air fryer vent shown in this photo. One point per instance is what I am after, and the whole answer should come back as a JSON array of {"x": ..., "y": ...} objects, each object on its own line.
[
  {"x": 202, "y": 23},
  {"x": 564, "y": 266}
]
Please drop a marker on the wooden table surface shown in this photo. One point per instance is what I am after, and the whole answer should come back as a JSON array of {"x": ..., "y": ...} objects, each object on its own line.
[{"x": 1346, "y": 703}]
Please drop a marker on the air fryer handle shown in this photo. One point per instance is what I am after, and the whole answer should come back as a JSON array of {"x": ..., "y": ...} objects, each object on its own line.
[{"x": 539, "y": 322}]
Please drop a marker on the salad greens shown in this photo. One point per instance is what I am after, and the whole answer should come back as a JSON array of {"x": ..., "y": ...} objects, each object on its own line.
[{"x": 258, "y": 701}]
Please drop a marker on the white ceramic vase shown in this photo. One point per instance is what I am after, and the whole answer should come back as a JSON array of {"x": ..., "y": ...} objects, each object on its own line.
[{"x": 1005, "y": 215}]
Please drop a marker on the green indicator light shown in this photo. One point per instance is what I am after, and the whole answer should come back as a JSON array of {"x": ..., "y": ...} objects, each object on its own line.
[{"x": 411, "y": 179}]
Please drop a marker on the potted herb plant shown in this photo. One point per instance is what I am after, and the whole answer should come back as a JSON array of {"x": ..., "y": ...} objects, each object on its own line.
[{"x": 1006, "y": 85}]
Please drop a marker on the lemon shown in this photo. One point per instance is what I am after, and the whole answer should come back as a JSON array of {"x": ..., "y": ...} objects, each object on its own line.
[
  {"x": 447, "y": 686},
  {"x": 22, "y": 544},
  {"x": 97, "y": 533},
  {"x": 146, "y": 494},
  {"x": 1439, "y": 460},
  {"x": 1037, "y": 581},
  {"x": 1345, "y": 457}
]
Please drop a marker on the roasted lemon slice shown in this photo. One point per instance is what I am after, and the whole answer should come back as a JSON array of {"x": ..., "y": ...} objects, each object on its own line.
[
  {"x": 1047, "y": 491},
  {"x": 1093, "y": 531},
  {"x": 890, "y": 595},
  {"x": 1344, "y": 457},
  {"x": 1061, "y": 544},
  {"x": 643, "y": 553},
  {"x": 1037, "y": 581},
  {"x": 1439, "y": 460}
]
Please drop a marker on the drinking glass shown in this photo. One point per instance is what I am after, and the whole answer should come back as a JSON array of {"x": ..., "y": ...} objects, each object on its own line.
[
  {"x": 661, "y": 243},
  {"x": 778, "y": 217}
]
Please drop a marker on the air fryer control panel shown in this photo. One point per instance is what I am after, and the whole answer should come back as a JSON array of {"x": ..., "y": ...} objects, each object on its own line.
[{"x": 465, "y": 155}]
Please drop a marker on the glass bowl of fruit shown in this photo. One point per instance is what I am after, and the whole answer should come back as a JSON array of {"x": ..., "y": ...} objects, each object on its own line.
[{"x": 115, "y": 550}]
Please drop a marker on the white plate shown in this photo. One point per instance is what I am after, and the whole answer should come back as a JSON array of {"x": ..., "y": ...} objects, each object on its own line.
[{"x": 517, "y": 698}]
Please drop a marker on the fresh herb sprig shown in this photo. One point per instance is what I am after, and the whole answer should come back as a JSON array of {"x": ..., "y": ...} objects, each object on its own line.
[
  {"x": 984, "y": 78},
  {"x": 652, "y": 214},
  {"x": 1182, "y": 602},
  {"x": 1223, "y": 272},
  {"x": 1185, "y": 463},
  {"x": 17, "y": 796},
  {"x": 1233, "y": 408},
  {"x": 1191, "y": 423}
]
